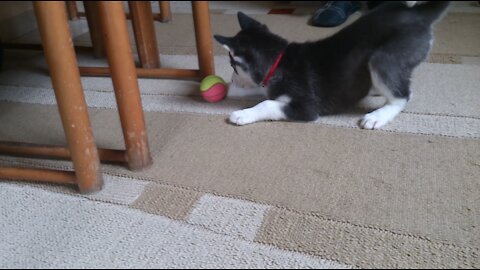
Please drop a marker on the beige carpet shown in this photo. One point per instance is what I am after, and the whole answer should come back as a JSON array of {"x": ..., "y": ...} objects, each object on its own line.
[
  {"x": 361, "y": 183},
  {"x": 270, "y": 195}
]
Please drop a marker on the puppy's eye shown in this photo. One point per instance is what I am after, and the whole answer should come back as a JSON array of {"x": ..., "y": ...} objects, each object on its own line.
[
  {"x": 243, "y": 66},
  {"x": 233, "y": 63}
]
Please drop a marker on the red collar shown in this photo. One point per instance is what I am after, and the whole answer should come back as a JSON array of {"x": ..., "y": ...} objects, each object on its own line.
[{"x": 272, "y": 69}]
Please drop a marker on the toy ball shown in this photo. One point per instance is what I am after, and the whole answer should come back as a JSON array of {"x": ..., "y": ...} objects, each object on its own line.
[{"x": 213, "y": 88}]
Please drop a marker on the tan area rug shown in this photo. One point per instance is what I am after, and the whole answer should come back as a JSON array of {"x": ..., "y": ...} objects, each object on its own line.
[
  {"x": 269, "y": 195},
  {"x": 374, "y": 178},
  {"x": 399, "y": 191}
]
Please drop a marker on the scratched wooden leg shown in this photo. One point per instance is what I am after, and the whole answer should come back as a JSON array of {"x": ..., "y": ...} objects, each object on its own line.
[
  {"x": 37, "y": 175},
  {"x": 62, "y": 64},
  {"x": 125, "y": 83},
  {"x": 144, "y": 30},
  {"x": 165, "y": 11},
  {"x": 203, "y": 35},
  {"x": 72, "y": 10},
  {"x": 91, "y": 12}
]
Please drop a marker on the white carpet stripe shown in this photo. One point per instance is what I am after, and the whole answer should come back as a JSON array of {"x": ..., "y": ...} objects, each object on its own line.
[
  {"x": 471, "y": 60},
  {"x": 228, "y": 216},
  {"x": 47, "y": 230},
  {"x": 433, "y": 84},
  {"x": 405, "y": 122},
  {"x": 119, "y": 190}
]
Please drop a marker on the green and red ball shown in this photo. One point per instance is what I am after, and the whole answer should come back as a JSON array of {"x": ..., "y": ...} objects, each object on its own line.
[{"x": 213, "y": 88}]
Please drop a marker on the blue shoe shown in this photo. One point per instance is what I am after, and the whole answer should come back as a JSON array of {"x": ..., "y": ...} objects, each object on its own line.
[{"x": 334, "y": 13}]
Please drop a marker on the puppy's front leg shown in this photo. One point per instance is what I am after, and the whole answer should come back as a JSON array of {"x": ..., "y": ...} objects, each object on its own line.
[{"x": 264, "y": 111}]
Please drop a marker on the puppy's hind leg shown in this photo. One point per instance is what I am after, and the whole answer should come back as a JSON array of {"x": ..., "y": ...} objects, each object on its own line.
[
  {"x": 391, "y": 67},
  {"x": 395, "y": 89}
]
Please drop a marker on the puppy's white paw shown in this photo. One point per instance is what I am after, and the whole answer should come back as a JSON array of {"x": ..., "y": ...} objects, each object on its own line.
[
  {"x": 373, "y": 121},
  {"x": 243, "y": 117}
]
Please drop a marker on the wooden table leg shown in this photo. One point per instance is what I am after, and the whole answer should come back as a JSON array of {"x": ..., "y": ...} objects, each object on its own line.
[
  {"x": 91, "y": 12},
  {"x": 125, "y": 83},
  {"x": 144, "y": 30},
  {"x": 62, "y": 63},
  {"x": 203, "y": 35}
]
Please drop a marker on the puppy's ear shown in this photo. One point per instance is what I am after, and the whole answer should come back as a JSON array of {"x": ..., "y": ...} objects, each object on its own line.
[
  {"x": 247, "y": 22},
  {"x": 227, "y": 42}
]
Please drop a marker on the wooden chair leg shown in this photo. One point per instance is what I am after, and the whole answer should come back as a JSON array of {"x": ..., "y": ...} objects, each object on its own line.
[
  {"x": 203, "y": 36},
  {"x": 125, "y": 83},
  {"x": 63, "y": 68},
  {"x": 91, "y": 12},
  {"x": 165, "y": 11},
  {"x": 38, "y": 175},
  {"x": 56, "y": 152},
  {"x": 72, "y": 10},
  {"x": 144, "y": 30}
]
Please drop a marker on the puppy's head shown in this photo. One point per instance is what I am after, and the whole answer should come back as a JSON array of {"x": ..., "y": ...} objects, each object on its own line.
[{"x": 251, "y": 51}]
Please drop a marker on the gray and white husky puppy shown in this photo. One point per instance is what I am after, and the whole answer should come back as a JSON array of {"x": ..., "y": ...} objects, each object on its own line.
[{"x": 303, "y": 81}]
